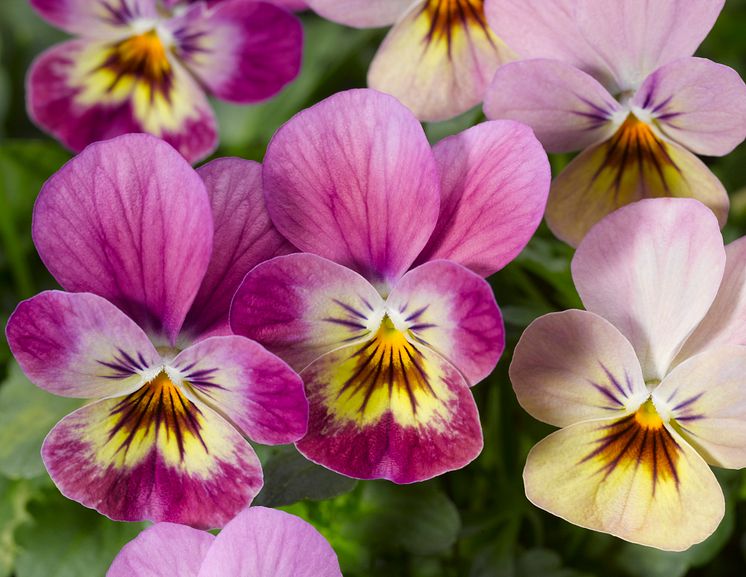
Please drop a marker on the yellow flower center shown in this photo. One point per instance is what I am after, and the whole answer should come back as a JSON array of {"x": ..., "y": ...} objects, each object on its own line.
[
  {"x": 446, "y": 16},
  {"x": 143, "y": 56}
]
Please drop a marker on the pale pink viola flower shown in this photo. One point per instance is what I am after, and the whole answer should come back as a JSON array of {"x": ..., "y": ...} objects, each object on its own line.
[
  {"x": 648, "y": 384},
  {"x": 617, "y": 80},
  {"x": 146, "y": 66},
  {"x": 259, "y": 542},
  {"x": 438, "y": 57},
  {"x": 151, "y": 252},
  {"x": 387, "y": 313}
]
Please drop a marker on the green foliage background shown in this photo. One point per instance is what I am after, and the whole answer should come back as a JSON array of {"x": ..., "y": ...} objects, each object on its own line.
[{"x": 471, "y": 523}]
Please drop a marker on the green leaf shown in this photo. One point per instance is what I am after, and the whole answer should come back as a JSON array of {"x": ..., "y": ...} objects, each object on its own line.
[
  {"x": 14, "y": 498},
  {"x": 26, "y": 416}
]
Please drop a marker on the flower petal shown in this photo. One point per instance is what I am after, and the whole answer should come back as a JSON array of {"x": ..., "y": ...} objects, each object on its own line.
[
  {"x": 268, "y": 543},
  {"x": 619, "y": 42},
  {"x": 79, "y": 345},
  {"x": 439, "y": 59},
  {"x": 361, "y": 13},
  {"x": 302, "y": 306},
  {"x": 644, "y": 485},
  {"x": 652, "y": 269},
  {"x": 573, "y": 366},
  {"x": 451, "y": 310},
  {"x": 82, "y": 92},
  {"x": 353, "y": 179},
  {"x": 634, "y": 164},
  {"x": 494, "y": 185},
  {"x": 254, "y": 389},
  {"x": 706, "y": 398},
  {"x": 698, "y": 103},
  {"x": 153, "y": 455},
  {"x": 568, "y": 109},
  {"x": 389, "y": 409},
  {"x": 163, "y": 550},
  {"x": 244, "y": 237},
  {"x": 94, "y": 18},
  {"x": 129, "y": 220},
  {"x": 241, "y": 50}
]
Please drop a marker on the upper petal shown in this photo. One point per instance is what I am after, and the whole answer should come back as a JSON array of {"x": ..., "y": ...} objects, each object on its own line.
[
  {"x": 79, "y": 345},
  {"x": 244, "y": 237},
  {"x": 268, "y": 543},
  {"x": 254, "y": 389},
  {"x": 652, "y": 269},
  {"x": 353, "y": 179},
  {"x": 619, "y": 42},
  {"x": 163, "y": 550},
  {"x": 95, "y": 18},
  {"x": 361, "y": 13},
  {"x": 698, "y": 103},
  {"x": 494, "y": 184},
  {"x": 567, "y": 108},
  {"x": 452, "y": 311},
  {"x": 573, "y": 366},
  {"x": 302, "y": 306},
  {"x": 128, "y": 219},
  {"x": 242, "y": 50}
]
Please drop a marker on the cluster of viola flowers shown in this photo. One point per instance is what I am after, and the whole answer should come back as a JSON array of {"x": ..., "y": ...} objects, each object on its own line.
[{"x": 334, "y": 296}]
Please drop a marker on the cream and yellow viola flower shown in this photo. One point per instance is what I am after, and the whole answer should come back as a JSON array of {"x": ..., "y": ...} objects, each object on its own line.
[{"x": 648, "y": 384}]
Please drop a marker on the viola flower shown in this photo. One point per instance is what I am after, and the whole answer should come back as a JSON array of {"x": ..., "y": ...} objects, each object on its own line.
[
  {"x": 259, "y": 542},
  {"x": 616, "y": 79},
  {"x": 647, "y": 383},
  {"x": 144, "y": 66},
  {"x": 437, "y": 59},
  {"x": 151, "y": 256},
  {"x": 382, "y": 315}
]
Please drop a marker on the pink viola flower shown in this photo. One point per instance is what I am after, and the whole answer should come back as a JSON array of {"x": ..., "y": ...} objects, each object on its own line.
[
  {"x": 616, "y": 79},
  {"x": 259, "y": 542},
  {"x": 387, "y": 314},
  {"x": 151, "y": 253},
  {"x": 437, "y": 59},
  {"x": 144, "y": 66},
  {"x": 648, "y": 384}
]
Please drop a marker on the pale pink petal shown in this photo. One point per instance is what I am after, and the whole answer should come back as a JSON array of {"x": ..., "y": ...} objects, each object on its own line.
[
  {"x": 361, "y": 13},
  {"x": 95, "y": 18}
]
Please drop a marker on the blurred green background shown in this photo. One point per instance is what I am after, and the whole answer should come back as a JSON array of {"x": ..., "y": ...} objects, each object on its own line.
[{"x": 471, "y": 523}]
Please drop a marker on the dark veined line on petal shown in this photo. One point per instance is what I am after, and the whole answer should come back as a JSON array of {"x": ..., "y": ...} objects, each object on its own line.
[
  {"x": 124, "y": 365},
  {"x": 447, "y": 16}
]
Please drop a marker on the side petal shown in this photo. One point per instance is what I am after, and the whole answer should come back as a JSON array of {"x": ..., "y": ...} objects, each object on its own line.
[
  {"x": 567, "y": 108},
  {"x": 494, "y": 185},
  {"x": 698, "y": 103},
  {"x": 79, "y": 345},
  {"x": 244, "y": 237},
  {"x": 129, "y": 220},
  {"x": 153, "y": 456},
  {"x": 163, "y": 550},
  {"x": 634, "y": 164},
  {"x": 647, "y": 486},
  {"x": 652, "y": 269},
  {"x": 361, "y": 13},
  {"x": 405, "y": 415},
  {"x": 249, "y": 386},
  {"x": 269, "y": 543},
  {"x": 83, "y": 92},
  {"x": 241, "y": 50},
  {"x": 451, "y": 310},
  {"x": 353, "y": 179},
  {"x": 574, "y": 366},
  {"x": 706, "y": 399},
  {"x": 95, "y": 18},
  {"x": 439, "y": 59},
  {"x": 302, "y": 306}
]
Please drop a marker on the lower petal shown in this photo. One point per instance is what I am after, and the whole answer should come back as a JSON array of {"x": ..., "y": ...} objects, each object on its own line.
[
  {"x": 634, "y": 164},
  {"x": 642, "y": 484},
  {"x": 389, "y": 409},
  {"x": 153, "y": 455},
  {"x": 439, "y": 58}
]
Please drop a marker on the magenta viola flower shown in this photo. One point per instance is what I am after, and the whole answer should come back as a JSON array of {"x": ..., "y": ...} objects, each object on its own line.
[
  {"x": 437, "y": 59},
  {"x": 616, "y": 79},
  {"x": 259, "y": 542},
  {"x": 383, "y": 315},
  {"x": 144, "y": 66},
  {"x": 648, "y": 383},
  {"x": 152, "y": 252}
]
